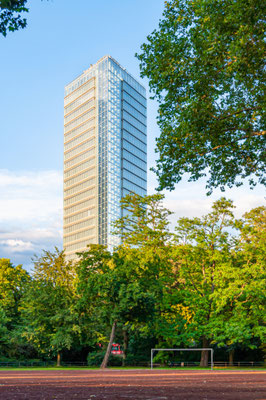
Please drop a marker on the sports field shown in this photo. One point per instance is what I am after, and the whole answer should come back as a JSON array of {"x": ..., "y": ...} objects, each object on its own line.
[{"x": 132, "y": 384}]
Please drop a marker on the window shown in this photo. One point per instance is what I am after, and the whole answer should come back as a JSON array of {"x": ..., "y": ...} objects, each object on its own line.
[
  {"x": 135, "y": 160},
  {"x": 79, "y": 197},
  {"x": 80, "y": 129},
  {"x": 84, "y": 146},
  {"x": 136, "y": 114},
  {"x": 80, "y": 158},
  {"x": 79, "y": 235},
  {"x": 134, "y": 150},
  {"x": 79, "y": 187},
  {"x": 79, "y": 206},
  {"x": 84, "y": 88}
]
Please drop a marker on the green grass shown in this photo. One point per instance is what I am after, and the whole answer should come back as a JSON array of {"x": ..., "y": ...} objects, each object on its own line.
[{"x": 127, "y": 368}]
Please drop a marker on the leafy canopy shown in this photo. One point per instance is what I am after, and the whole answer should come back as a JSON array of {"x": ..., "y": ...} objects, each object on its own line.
[
  {"x": 202, "y": 251},
  {"x": 205, "y": 66},
  {"x": 113, "y": 287},
  {"x": 144, "y": 221},
  {"x": 240, "y": 301},
  {"x": 50, "y": 319},
  {"x": 10, "y": 15},
  {"x": 13, "y": 284}
]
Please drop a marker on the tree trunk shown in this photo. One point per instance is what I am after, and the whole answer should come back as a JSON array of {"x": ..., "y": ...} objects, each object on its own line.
[
  {"x": 231, "y": 357},
  {"x": 204, "y": 353},
  {"x": 58, "y": 361},
  {"x": 109, "y": 347},
  {"x": 125, "y": 346}
]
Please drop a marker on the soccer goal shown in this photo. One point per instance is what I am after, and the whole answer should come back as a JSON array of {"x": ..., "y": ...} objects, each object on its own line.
[{"x": 208, "y": 349}]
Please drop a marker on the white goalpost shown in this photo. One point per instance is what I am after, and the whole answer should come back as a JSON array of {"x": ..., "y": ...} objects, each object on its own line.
[{"x": 207, "y": 349}]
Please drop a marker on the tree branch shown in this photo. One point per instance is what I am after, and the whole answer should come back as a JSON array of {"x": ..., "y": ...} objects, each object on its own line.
[
  {"x": 262, "y": 133},
  {"x": 236, "y": 113}
]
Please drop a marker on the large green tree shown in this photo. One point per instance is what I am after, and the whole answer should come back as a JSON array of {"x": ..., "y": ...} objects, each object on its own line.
[
  {"x": 114, "y": 293},
  {"x": 51, "y": 323},
  {"x": 146, "y": 241},
  {"x": 202, "y": 254},
  {"x": 205, "y": 65},
  {"x": 144, "y": 222},
  {"x": 240, "y": 299},
  {"x": 13, "y": 284},
  {"x": 122, "y": 291}
]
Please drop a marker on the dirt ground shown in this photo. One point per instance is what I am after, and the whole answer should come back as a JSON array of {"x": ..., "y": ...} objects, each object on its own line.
[{"x": 132, "y": 384}]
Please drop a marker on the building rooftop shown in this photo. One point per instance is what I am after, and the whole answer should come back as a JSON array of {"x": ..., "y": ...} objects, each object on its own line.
[{"x": 98, "y": 62}]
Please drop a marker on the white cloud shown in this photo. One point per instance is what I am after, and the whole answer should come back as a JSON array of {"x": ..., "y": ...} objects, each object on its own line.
[
  {"x": 30, "y": 195},
  {"x": 189, "y": 198},
  {"x": 29, "y": 179},
  {"x": 15, "y": 245},
  {"x": 31, "y": 209},
  {"x": 31, "y": 213}
]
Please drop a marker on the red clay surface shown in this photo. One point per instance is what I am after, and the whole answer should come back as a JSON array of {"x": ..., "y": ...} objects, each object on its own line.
[{"x": 132, "y": 384}]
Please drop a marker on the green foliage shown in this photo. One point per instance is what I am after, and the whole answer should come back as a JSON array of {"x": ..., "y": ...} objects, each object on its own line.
[
  {"x": 144, "y": 222},
  {"x": 204, "y": 285},
  {"x": 95, "y": 290},
  {"x": 205, "y": 65},
  {"x": 139, "y": 347},
  {"x": 10, "y": 15},
  {"x": 124, "y": 288},
  {"x": 173, "y": 287},
  {"x": 146, "y": 247},
  {"x": 4, "y": 332},
  {"x": 13, "y": 284},
  {"x": 110, "y": 289},
  {"x": 95, "y": 359},
  {"x": 202, "y": 251},
  {"x": 51, "y": 323},
  {"x": 241, "y": 298},
  {"x": 218, "y": 294}
]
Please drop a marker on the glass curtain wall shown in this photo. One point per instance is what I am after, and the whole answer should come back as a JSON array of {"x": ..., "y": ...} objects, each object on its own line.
[
  {"x": 105, "y": 152},
  {"x": 122, "y": 144}
]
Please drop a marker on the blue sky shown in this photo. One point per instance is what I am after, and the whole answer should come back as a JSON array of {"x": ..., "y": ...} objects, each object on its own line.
[{"x": 61, "y": 40}]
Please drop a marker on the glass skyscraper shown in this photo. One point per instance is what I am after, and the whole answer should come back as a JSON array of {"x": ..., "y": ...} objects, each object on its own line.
[{"x": 105, "y": 152}]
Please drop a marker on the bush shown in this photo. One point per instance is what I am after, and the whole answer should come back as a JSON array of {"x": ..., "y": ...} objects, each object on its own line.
[
  {"x": 95, "y": 359},
  {"x": 7, "y": 359},
  {"x": 135, "y": 360}
]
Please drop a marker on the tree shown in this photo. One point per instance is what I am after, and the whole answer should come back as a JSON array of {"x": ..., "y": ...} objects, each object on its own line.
[
  {"x": 202, "y": 254},
  {"x": 146, "y": 242},
  {"x": 13, "y": 284},
  {"x": 13, "y": 281},
  {"x": 93, "y": 287},
  {"x": 10, "y": 15},
  {"x": 125, "y": 287},
  {"x": 144, "y": 221},
  {"x": 240, "y": 300},
  {"x": 50, "y": 321},
  {"x": 112, "y": 293},
  {"x": 4, "y": 332},
  {"x": 205, "y": 65}
]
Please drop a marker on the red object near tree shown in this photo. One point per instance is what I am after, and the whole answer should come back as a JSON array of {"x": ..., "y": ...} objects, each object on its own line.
[{"x": 116, "y": 349}]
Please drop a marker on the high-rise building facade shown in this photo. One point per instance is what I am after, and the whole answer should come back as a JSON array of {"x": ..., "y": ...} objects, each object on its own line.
[{"x": 105, "y": 152}]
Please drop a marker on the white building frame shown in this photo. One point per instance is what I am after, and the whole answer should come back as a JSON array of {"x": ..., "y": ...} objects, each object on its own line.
[{"x": 196, "y": 349}]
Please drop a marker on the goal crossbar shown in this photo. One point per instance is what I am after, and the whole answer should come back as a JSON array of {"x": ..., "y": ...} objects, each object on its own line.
[{"x": 197, "y": 349}]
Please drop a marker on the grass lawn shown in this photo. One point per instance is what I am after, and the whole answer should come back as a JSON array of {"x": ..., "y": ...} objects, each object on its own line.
[{"x": 127, "y": 368}]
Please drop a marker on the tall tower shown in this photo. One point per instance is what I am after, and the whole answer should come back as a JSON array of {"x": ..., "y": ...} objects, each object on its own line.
[{"x": 105, "y": 152}]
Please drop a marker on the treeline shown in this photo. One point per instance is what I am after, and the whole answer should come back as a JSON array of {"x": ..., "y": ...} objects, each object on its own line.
[{"x": 201, "y": 286}]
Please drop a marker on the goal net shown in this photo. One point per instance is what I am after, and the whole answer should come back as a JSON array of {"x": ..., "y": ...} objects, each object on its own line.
[{"x": 195, "y": 349}]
